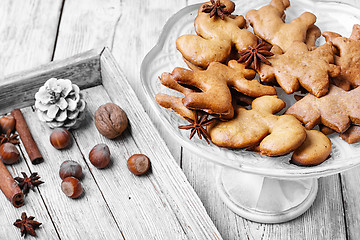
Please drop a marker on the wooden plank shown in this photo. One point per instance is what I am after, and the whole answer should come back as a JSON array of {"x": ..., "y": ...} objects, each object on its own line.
[
  {"x": 82, "y": 69},
  {"x": 350, "y": 187},
  {"x": 167, "y": 177},
  {"x": 351, "y": 193},
  {"x": 27, "y": 35},
  {"x": 28, "y": 32},
  {"x": 87, "y": 24}
]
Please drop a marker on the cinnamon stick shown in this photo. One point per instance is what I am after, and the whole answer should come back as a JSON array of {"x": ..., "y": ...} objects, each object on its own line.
[
  {"x": 9, "y": 187},
  {"x": 26, "y": 137}
]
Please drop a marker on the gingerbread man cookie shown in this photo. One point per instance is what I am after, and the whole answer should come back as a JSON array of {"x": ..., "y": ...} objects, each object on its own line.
[
  {"x": 215, "y": 37},
  {"x": 314, "y": 150},
  {"x": 275, "y": 135},
  {"x": 268, "y": 23},
  {"x": 336, "y": 110},
  {"x": 348, "y": 58},
  {"x": 299, "y": 66}
]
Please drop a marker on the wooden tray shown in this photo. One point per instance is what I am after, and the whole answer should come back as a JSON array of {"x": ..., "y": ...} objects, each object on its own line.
[{"x": 116, "y": 203}]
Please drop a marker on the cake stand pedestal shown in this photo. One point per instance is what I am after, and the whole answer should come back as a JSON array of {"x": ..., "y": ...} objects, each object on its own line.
[{"x": 264, "y": 199}]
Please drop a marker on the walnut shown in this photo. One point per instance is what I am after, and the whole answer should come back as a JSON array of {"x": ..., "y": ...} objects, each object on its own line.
[{"x": 110, "y": 120}]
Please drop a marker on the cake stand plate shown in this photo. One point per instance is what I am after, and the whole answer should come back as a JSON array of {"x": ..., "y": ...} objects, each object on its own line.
[
  {"x": 259, "y": 188},
  {"x": 264, "y": 199}
]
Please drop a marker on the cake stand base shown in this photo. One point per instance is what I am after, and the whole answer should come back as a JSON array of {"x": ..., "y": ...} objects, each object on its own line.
[{"x": 263, "y": 199}]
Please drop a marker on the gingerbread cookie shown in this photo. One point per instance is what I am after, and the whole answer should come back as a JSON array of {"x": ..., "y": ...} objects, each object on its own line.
[
  {"x": 352, "y": 135},
  {"x": 214, "y": 83},
  {"x": 336, "y": 110},
  {"x": 348, "y": 58},
  {"x": 241, "y": 99},
  {"x": 175, "y": 103},
  {"x": 215, "y": 37},
  {"x": 275, "y": 135},
  {"x": 268, "y": 23},
  {"x": 299, "y": 66},
  {"x": 326, "y": 130},
  {"x": 315, "y": 149}
]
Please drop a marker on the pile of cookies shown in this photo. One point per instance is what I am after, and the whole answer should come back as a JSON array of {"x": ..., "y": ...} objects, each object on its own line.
[{"x": 224, "y": 58}]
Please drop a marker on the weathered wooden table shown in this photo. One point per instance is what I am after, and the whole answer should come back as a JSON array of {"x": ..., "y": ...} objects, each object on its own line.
[{"x": 36, "y": 32}]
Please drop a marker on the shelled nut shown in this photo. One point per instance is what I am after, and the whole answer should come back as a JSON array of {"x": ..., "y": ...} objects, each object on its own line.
[
  {"x": 71, "y": 187},
  {"x": 138, "y": 164}
]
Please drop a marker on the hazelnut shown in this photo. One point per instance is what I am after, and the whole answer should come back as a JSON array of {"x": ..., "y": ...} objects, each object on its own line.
[
  {"x": 70, "y": 168},
  {"x": 71, "y": 187},
  {"x": 7, "y": 122},
  {"x": 9, "y": 153},
  {"x": 60, "y": 138},
  {"x": 138, "y": 164},
  {"x": 110, "y": 120},
  {"x": 99, "y": 155}
]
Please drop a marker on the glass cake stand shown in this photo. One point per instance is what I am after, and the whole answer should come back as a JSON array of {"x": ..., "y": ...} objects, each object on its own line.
[{"x": 259, "y": 188}]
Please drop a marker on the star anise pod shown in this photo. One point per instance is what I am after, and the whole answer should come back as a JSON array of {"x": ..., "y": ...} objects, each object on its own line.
[
  {"x": 27, "y": 225},
  {"x": 253, "y": 56},
  {"x": 9, "y": 137},
  {"x": 197, "y": 125},
  {"x": 216, "y": 8},
  {"x": 28, "y": 183}
]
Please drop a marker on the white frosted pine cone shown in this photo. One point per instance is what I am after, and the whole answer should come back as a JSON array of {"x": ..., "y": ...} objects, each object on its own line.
[{"x": 59, "y": 103}]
